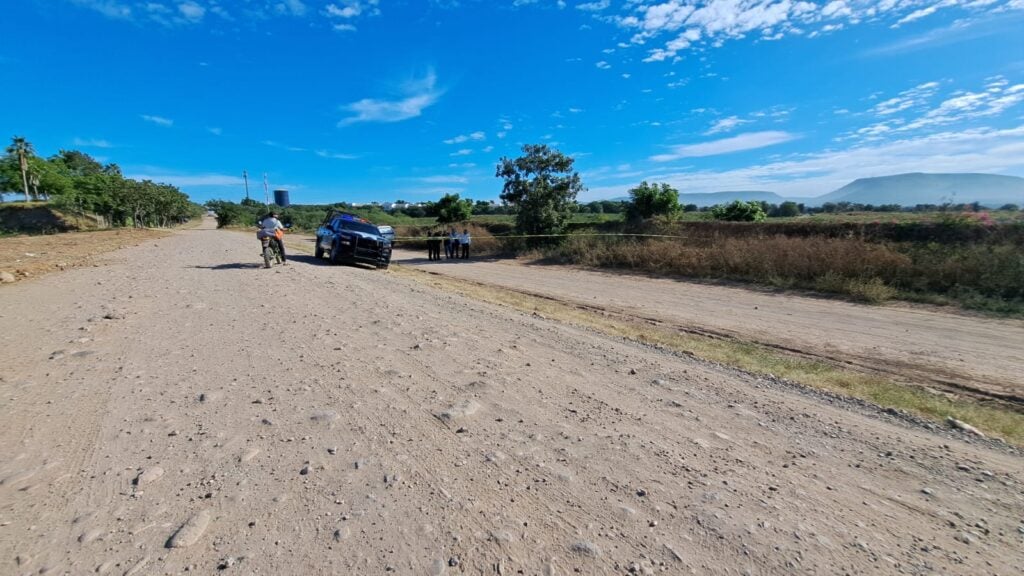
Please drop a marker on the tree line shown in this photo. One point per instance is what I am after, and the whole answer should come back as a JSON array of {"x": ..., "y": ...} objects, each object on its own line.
[
  {"x": 74, "y": 181},
  {"x": 539, "y": 189}
]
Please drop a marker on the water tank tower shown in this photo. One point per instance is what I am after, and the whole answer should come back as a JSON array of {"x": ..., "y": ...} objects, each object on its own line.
[{"x": 281, "y": 198}]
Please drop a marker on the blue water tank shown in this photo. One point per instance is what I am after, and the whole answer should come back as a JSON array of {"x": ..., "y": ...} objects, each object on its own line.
[{"x": 281, "y": 198}]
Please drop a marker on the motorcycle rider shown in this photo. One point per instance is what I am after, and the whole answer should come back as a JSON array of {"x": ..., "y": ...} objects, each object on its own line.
[{"x": 271, "y": 228}]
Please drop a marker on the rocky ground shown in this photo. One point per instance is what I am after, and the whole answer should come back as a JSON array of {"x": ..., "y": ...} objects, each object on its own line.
[{"x": 181, "y": 410}]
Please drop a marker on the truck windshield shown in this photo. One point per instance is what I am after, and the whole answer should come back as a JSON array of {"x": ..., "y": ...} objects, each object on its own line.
[{"x": 358, "y": 227}]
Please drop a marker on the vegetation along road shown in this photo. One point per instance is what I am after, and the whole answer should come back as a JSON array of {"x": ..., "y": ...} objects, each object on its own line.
[{"x": 177, "y": 408}]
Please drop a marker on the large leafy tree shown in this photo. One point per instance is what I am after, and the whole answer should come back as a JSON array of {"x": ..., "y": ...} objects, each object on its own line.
[
  {"x": 541, "y": 187},
  {"x": 450, "y": 208},
  {"x": 647, "y": 200},
  {"x": 22, "y": 150}
]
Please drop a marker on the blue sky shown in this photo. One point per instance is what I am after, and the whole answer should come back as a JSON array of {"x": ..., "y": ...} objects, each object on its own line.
[{"x": 362, "y": 100}]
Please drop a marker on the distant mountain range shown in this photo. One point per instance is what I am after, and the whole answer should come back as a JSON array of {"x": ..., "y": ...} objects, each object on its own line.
[{"x": 990, "y": 190}]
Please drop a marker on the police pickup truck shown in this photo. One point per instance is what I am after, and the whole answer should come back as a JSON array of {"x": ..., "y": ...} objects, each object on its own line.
[{"x": 346, "y": 237}]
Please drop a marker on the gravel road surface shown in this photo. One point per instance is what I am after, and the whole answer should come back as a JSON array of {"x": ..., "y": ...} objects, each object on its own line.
[
  {"x": 921, "y": 344},
  {"x": 179, "y": 409}
]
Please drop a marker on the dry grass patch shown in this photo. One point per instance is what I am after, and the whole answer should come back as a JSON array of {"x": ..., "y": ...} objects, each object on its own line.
[{"x": 999, "y": 421}]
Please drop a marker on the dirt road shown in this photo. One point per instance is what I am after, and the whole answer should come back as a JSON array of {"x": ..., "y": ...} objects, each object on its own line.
[
  {"x": 917, "y": 344},
  {"x": 180, "y": 409}
]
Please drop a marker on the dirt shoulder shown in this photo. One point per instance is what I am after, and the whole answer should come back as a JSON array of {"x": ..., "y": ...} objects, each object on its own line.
[
  {"x": 32, "y": 256},
  {"x": 913, "y": 344},
  {"x": 180, "y": 409}
]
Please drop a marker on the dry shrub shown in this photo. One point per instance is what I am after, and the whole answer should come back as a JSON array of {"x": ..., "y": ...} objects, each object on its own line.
[{"x": 778, "y": 257}]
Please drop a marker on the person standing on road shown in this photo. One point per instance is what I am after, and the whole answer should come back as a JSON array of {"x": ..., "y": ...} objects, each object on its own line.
[
  {"x": 447, "y": 245},
  {"x": 464, "y": 242},
  {"x": 271, "y": 227},
  {"x": 453, "y": 244},
  {"x": 434, "y": 245}
]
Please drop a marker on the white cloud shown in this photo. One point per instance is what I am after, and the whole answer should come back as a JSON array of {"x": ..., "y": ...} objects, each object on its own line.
[
  {"x": 603, "y": 65},
  {"x": 420, "y": 94},
  {"x": 466, "y": 138},
  {"x": 335, "y": 155},
  {"x": 291, "y": 8},
  {"x": 463, "y": 152},
  {"x": 487, "y": 149},
  {"x": 594, "y": 6},
  {"x": 714, "y": 22},
  {"x": 997, "y": 97},
  {"x": 215, "y": 131},
  {"x": 348, "y": 10},
  {"x": 725, "y": 125},
  {"x": 191, "y": 11},
  {"x": 157, "y": 120},
  {"x": 92, "y": 143},
  {"x": 748, "y": 141},
  {"x": 916, "y": 96},
  {"x": 976, "y": 150}
]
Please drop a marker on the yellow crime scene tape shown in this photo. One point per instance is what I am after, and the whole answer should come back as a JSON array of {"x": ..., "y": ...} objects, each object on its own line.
[{"x": 397, "y": 238}]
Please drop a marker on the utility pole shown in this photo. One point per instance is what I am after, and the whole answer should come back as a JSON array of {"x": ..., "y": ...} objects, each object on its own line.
[
  {"x": 266, "y": 190},
  {"x": 245, "y": 176}
]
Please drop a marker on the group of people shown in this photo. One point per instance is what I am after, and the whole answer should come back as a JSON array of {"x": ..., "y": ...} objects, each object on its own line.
[{"x": 455, "y": 245}]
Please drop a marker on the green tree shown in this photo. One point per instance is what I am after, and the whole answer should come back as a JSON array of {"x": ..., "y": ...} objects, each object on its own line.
[
  {"x": 647, "y": 200},
  {"x": 788, "y": 209},
  {"x": 541, "y": 187},
  {"x": 21, "y": 149},
  {"x": 450, "y": 208},
  {"x": 739, "y": 211}
]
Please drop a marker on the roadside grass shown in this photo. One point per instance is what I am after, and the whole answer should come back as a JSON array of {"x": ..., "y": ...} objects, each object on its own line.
[
  {"x": 993, "y": 419},
  {"x": 979, "y": 276}
]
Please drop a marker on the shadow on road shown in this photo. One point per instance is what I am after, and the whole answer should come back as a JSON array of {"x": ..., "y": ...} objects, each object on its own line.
[
  {"x": 233, "y": 266},
  {"x": 307, "y": 259}
]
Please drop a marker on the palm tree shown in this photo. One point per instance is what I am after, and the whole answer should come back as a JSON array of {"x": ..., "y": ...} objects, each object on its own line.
[{"x": 22, "y": 148}]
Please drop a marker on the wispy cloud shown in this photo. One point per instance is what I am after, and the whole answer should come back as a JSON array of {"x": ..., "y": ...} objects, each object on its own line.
[
  {"x": 159, "y": 120},
  {"x": 287, "y": 147},
  {"x": 725, "y": 125},
  {"x": 335, "y": 155},
  {"x": 749, "y": 141},
  {"x": 959, "y": 30},
  {"x": 711, "y": 23},
  {"x": 215, "y": 131},
  {"x": 975, "y": 150},
  {"x": 996, "y": 98},
  {"x": 92, "y": 143},
  {"x": 342, "y": 14},
  {"x": 418, "y": 95},
  {"x": 463, "y": 152},
  {"x": 466, "y": 138},
  {"x": 594, "y": 6}
]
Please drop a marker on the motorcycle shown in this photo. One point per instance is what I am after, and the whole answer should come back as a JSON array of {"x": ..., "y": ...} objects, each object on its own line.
[{"x": 271, "y": 246}]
